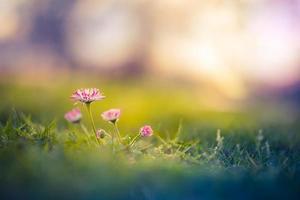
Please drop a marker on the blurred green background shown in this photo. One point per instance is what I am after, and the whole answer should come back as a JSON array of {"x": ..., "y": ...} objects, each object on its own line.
[
  {"x": 160, "y": 62},
  {"x": 164, "y": 104}
]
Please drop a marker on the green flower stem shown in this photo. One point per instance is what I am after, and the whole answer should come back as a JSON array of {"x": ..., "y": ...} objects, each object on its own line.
[
  {"x": 88, "y": 106},
  {"x": 85, "y": 132},
  {"x": 108, "y": 135},
  {"x": 113, "y": 141},
  {"x": 162, "y": 140},
  {"x": 118, "y": 132},
  {"x": 134, "y": 140}
]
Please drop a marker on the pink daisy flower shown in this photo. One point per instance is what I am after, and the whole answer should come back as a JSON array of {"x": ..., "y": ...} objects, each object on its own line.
[
  {"x": 73, "y": 116},
  {"x": 87, "y": 95},
  {"x": 111, "y": 115},
  {"x": 146, "y": 131}
]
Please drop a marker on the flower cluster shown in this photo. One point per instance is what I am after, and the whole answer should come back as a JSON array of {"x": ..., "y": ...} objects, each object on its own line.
[{"x": 89, "y": 95}]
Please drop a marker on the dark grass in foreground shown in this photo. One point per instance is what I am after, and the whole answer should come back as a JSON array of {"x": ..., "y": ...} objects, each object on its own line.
[{"x": 44, "y": 162}]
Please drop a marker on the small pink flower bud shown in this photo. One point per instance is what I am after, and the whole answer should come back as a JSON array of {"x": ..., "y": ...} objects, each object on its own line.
[
  {"x": 146, "y": 131},
  {"x": 100, "y": 134},
  {"x": 111, "y": 115},
  {"x": 73, "y": 116}
]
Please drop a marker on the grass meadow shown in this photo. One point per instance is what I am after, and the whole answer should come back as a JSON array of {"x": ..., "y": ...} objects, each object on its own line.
[{"x": 195, "y": 152}]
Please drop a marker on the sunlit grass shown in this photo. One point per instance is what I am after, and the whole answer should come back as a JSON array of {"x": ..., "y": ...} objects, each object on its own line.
[
  {"x": 206, "y": 153},
  {"x": 43, "y": 159}
]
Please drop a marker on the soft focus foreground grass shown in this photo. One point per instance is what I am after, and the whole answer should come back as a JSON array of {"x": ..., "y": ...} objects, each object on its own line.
[
  {"x": 46, "y": 158},
  {"x": 42, "y": 162}
]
